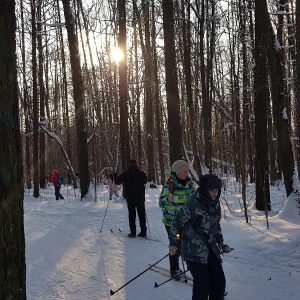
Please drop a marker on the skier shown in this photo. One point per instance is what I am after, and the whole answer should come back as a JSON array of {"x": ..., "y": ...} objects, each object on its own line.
[
  {"x": 175, "y": 193},
  {"x": 55, "y": 179},
  {"x": 134, "y": 183},
  {"x": 113, "y": 190},
  {"x": 202, "y": 240}
]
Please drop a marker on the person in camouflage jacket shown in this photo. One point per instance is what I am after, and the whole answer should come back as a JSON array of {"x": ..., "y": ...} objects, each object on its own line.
[
  {"x": 201, "y": 239},
  {"x": 175, "y": 193}
]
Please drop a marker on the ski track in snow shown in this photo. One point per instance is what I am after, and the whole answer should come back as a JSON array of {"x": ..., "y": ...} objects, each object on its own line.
[{"x": 69, "y": 259}]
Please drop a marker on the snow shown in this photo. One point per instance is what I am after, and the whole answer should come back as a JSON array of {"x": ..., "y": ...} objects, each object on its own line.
[
  {"x": 284, "y": 114},
  {"x": 68, "y": 258}
]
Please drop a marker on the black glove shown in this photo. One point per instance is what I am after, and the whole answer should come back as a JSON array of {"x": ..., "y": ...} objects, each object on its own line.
[{"x": 226, "y": 248}]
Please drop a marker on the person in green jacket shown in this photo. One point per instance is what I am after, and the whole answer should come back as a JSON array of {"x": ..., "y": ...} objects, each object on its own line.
[
  {"x": 202, "y": 240},
  {"x": 176, "y": 191}
]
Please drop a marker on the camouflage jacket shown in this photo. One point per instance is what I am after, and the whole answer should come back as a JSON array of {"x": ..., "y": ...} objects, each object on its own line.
[
  {"x": 199, "y": 223},
  {"x": 181, "y": 194}
]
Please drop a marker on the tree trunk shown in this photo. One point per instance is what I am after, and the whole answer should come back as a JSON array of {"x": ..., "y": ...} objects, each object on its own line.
[
  {"x": 79, "y": 100},
  {"x": 42, "y": 143},
  {"x": 173, "y": 101},
  {"x": 27, "y": 163},
  {"x": 298, "y": 83},
  {"x": 149, "y": 110},
  {"x": 138, "y": 100},
  {"x": 158, "y": 119},
  {"x": 275, "y": 63},
  {"x": 206, "y": 108},
  {"x": 12, "y": 238},
  {"x": 186, "y": 33},
  {"x": 245, "y": 137},
  {"x": 123, "y": 88},
  {"x": 35, "y": 116},
  {"x": 261, "y": 92},
  {"x": 65, "y": 97}
]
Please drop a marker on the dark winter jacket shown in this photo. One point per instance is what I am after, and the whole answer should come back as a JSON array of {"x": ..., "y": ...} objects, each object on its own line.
[
  {"x": 134, "y": 182},
  {"x": 199, "y": 221}
]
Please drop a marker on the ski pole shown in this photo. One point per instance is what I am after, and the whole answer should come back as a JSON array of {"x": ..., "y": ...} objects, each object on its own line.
[
  {"x": 179, "y": 274},
  {"x": 104, "y": 216},
  {"x": 147, "y": 222},
  {"x": 113, "y": 292},
  {"x": 183, "y": 267}
]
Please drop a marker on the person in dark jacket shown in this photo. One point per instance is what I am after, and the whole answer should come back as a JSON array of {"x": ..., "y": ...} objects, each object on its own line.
[
  {"x": 202, "y": 241},
  {"x": 134, "y": 183},
  {"x": 56, "y": 184}
]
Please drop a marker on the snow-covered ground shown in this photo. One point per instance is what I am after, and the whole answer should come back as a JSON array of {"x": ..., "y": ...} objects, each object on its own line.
[{"x": 68, "y": 258}]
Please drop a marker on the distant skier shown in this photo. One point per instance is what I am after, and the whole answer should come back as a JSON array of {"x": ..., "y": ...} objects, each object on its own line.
[
  {"x": 202, "y": 240},
  {"x": 175, "y": 193},
  {"x": 112, "y": 188},
  {"x": 57, "y": 181},
  {"x": 134, "y": 183}
]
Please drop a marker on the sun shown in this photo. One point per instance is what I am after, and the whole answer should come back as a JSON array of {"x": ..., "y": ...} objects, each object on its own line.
[{"x": 116, "y": 54}]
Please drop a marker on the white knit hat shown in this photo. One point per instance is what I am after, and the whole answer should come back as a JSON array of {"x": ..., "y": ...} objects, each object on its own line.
[{"x": 179, "y": 166}]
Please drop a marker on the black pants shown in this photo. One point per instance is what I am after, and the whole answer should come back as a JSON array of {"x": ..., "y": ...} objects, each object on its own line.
[
  {"x": 139, "y": 207},
  {"x": 57, "y": 193},
  {"x": 208, "y": 280},
  {"x": 174, "y": 259}
]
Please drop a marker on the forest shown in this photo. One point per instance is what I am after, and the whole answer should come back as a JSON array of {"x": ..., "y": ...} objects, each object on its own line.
[
  {"x": 213, "y": 82},
  {"x": 87, "y": 85}
]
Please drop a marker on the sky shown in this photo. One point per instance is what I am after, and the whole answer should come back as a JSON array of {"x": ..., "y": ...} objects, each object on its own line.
[{"x": 68, "y": 258}]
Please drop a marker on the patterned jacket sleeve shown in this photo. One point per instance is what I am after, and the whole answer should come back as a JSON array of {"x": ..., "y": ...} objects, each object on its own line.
[
  {"x": 163, "y": 198},
  {"x": 219, "y": 235},
  {"x": 181, "y": 218}
]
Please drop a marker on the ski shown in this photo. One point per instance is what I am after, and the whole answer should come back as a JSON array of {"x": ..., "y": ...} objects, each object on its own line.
[
  {"x": 166, "y": 273},
  {"x": 148, "y": 238}
]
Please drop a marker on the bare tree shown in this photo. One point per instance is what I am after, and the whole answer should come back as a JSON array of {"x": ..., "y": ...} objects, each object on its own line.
[
  {"x": 297, "y": 38},
  {"x": 173, "y": 101},
  {"x": 261, "y": 91},
  {"x": 186, "y": 35},
  {"x": 123, "y": 89},
  {"x": 42, "y": 142},
  {"x": 157, "y": 102},
  {"x": 35, "y": 107},
  {"x": 78, "y": 91},
  {"x": 26, "y": 106},
  {"x": 275, "y": 63},
  {"x": 12, "y": 239},
  {"x": 149, "y": 94}
]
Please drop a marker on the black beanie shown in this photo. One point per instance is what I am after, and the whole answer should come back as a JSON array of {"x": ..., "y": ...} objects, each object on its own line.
[
  {"x": 133, "y": 162},
  {"x": 209, "y": 182}
]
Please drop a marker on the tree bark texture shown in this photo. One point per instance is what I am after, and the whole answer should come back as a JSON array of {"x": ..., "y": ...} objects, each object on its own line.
[
  {"x": 12, "y": 239},
  {"x": 123, "y": 88},
  {"x": 275, "y": 63},
  {"x": 78, "y": 92},
  {"x": 173, "y": 101},
  {"x": 261, "y": 95},
  {"x": 35, "y": 106}
]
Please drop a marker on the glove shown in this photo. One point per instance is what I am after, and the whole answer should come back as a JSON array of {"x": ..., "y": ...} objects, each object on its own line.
[
  {"x": 226, "y": 248},
  {"x": 172, "y": 250},
  {"x": 170, "y": 198}
]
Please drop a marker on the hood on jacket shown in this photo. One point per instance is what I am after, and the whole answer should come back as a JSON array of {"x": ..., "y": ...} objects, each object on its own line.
[{"x": 210, "y": 182}]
